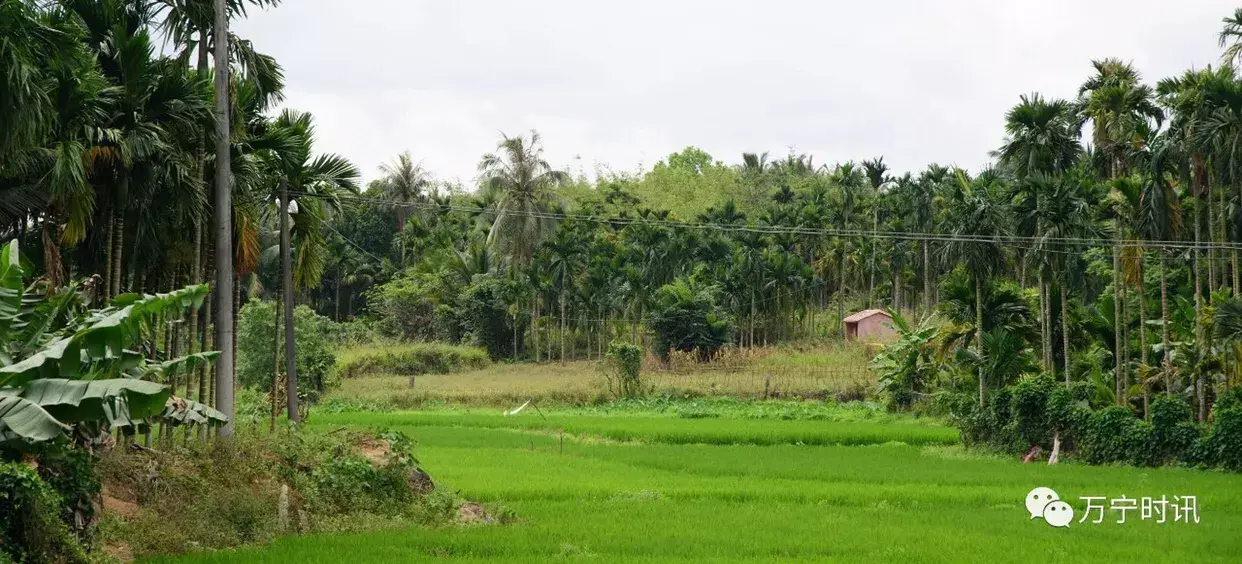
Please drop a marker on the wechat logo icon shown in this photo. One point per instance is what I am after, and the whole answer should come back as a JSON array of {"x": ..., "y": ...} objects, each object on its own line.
[{"x": 1046, "y": 504}]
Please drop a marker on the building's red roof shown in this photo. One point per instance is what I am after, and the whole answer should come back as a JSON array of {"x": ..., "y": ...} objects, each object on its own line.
[{"x": 855, "y": 318}]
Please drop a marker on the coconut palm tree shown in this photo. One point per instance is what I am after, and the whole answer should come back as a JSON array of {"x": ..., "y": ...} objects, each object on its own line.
[
  {"x": 405, "y": 183},
  {"x": 1231, "y": 38},
  {"x": 524, "y": 183}
]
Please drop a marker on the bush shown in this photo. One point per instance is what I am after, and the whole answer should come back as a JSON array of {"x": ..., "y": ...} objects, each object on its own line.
[
  {"x": 31, "y": 529},
  {"x": 405, "y": 307},
  {"x": 415, "y": 359},
  {"x": 256, "y": 348},
  {"x": 1172, "y": 433},
  {"x": 1113, "y": 434},
  {"x": 486, "y": 315},
  {"x": 622, "y": 370},
  {"x": 1223, "y": 444}
]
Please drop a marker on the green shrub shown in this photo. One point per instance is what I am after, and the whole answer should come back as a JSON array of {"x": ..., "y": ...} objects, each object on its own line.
[
  {"x": 31, "y": 528},
  {"x": 1223, "y": 444},
  {"x": 1172, "y": 434},
  {"x": 1113, "y": 434},
  {"x": 256, "y": 348},
  {"x": 486, "y": 315},
  {"x": 405, "y": 307},
  {"x": 415, "y": 359}
]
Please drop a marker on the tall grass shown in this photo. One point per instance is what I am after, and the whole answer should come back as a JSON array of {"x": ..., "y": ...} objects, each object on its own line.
[{"x": 837, "y": 372}]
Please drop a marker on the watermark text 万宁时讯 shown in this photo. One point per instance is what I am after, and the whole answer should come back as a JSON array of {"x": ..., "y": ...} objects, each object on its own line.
[{"x": 1046, "y": 504}]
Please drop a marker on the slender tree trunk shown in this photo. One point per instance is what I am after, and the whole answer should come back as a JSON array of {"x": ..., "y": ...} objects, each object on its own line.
[
  {"x": 534, "y": 325},
  {"x": 1142, "y": 311},
  {"x": 1065, "y": 351},
  {"x": 274, "y": 391},
  {"x": 118, "y": 238},
  {"x": 752, "y": 318},
  {"x": 1117, "y": 323},
  {"x": 983, "y": 384},
  {"x": 840, "y": 292},
  {"x": 224, "y": 226},
  {"x": 107, "y": 288},
  {"x": 875, "y": 226},
  {"x": 1164, "y": 324},
  {"x": 1211, "y": 239},
  {"x": 204, "y": 371},
  {"x": 927, "y": 274},
  {"x": 1200, "y": 184},
  {"x": 1044, "y": 323},
  {"x": 562, "y": 324}
]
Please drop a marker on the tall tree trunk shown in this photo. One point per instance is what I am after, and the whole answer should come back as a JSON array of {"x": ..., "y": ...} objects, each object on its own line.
[
  {"x": 1142, "y": 311},
  {"x": 752, "y": 318},
  {"x": 1211, "y": 239},
  {"x": 1045, "y": 337},
  {"x": 1118, "y": 376},
  {"x": 1199, "y": 185},
  {"x": 224, "y": 227},
  {"x": 203, "y": 371},
  {"x": 118, "y": 238},
  {"x": 286, "y": 258},
  {"x": 983, "y": 384},
  {"x": 1164, "y": 324},
  {"x": 1065, "y": 350},
  {"x": 927, "y": 274},
  {"x": 534, "y": 324},
  {"x": 840, "y": 292},
  {"x": 107, "y": 287},
  {"x": 562, "y": 324}
]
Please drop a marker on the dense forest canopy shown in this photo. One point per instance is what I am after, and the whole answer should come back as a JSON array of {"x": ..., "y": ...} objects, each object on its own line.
[{"x": 1110, "y": 256}]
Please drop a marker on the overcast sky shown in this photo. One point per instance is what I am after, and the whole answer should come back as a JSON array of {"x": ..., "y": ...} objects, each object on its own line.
[{"x": 624, "y": 83}]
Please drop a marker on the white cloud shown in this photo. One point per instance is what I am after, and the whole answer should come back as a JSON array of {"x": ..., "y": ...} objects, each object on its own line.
[{"x": 626, "y": 83}]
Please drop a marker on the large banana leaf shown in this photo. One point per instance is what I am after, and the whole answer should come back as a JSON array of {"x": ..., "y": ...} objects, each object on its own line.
[
  {"x": 102, "y": 338},
  {"x": 118, "y": 401},
  {"x": 22, "y": 419},
  {"x": 10, "y": 294}
]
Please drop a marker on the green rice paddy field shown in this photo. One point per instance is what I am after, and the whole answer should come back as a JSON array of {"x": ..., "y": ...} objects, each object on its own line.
[{"x": 654, "y": 488}]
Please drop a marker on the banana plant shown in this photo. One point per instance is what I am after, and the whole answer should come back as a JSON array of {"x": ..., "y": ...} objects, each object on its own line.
[{"x": 64, "y": 366}]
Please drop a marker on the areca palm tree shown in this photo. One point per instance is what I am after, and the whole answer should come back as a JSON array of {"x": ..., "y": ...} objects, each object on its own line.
[
  {"x": 317, "y": 183},
  {"x": 1041, "y": 141},
  {"x": 977, "y": 218},
  {"x": 1160, "y": 219},
  {"x": 524, "y": 183},
  {"x": 566, "y": 259}
]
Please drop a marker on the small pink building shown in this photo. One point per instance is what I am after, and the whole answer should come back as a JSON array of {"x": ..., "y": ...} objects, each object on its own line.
[{"x": 869, "y": 325}]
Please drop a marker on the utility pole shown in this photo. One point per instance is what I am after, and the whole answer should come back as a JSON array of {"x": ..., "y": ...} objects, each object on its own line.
[
  {"x": 286, "y": 259},
  {"x": 224, "y": 226}
]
